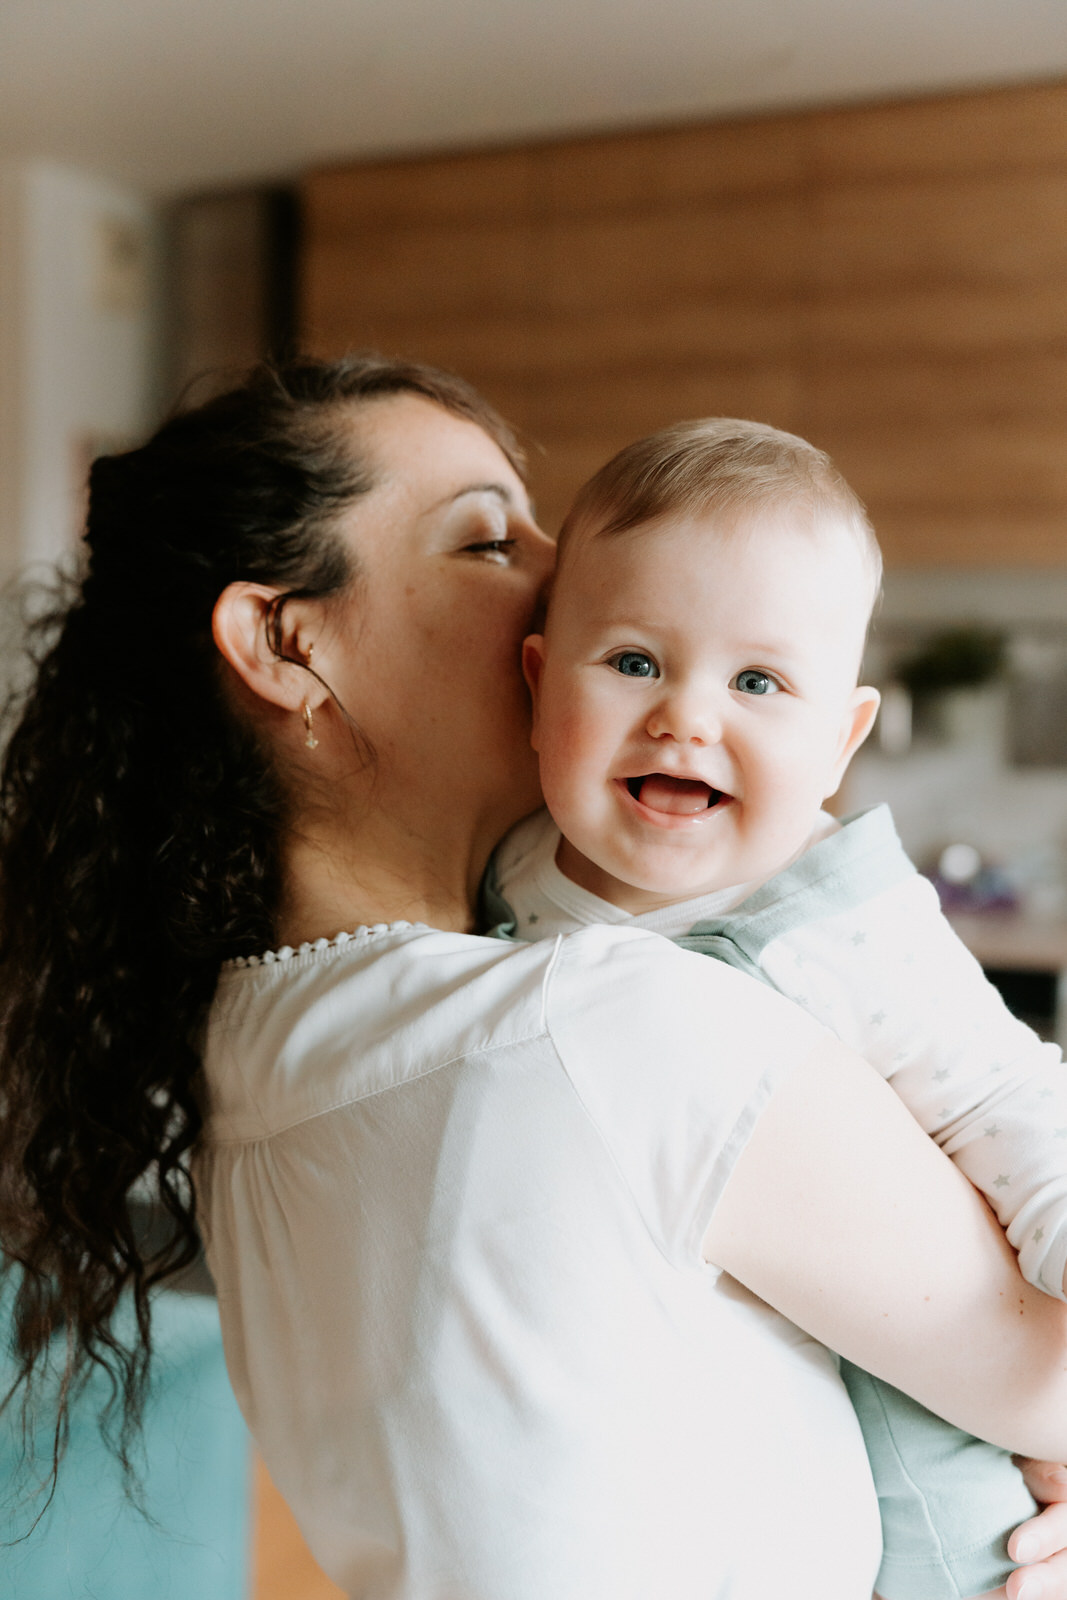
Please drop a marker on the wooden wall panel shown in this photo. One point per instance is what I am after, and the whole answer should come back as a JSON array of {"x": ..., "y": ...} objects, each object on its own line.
[
  {"x": 996, "y": 131},
  {"x": 889, "y": 280}
]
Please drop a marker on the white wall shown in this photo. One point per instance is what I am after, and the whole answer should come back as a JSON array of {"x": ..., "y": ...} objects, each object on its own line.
[{"x": 79, "y": 346}]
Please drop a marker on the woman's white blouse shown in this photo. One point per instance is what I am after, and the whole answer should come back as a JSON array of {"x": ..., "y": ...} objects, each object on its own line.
[{"x": 454, "y": 1193}]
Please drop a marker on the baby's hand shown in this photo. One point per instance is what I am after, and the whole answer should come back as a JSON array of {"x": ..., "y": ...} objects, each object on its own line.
[{"x": 1042, "y": 1542}]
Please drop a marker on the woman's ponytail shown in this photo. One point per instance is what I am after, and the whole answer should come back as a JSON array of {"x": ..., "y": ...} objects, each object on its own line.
[{"x": 140, "y": 824}]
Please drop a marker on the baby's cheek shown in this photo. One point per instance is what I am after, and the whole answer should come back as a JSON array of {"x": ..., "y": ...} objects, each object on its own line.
[
  {"x": 791, "y": 803},
  {"x": 569, "y": 775},
  {"x": 567, "y": 733}
]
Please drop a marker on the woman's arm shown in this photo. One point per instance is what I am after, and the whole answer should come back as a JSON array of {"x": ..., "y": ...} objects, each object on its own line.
[{"x": 902, "y": 1267}]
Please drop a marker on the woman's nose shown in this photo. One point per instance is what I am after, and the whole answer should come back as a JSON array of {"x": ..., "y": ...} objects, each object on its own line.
[
  {"x": 539, "y": 549},
  {"x": 541, "y": 558},
  {"x": 686, "y": 717}
]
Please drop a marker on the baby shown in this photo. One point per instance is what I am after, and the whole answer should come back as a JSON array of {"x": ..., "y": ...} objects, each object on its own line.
[{"x": 695, "y": 702}]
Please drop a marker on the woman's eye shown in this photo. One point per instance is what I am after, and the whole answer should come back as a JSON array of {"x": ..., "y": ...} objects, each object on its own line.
[
  {"x": 634, "y": 664},
  {"x": 495, "y": 549},
  {"x": 752, "y": 681}
]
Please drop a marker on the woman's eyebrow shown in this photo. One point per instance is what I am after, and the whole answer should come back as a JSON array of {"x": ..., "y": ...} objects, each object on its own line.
[{"x": 501, "y": 490}]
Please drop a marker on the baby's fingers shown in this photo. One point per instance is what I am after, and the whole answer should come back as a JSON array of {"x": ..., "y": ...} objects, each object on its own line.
[
  {"x": 1042, "y": 1544},
  {"x": 1046, "y": 1480},
  {"x": 1046, "y": 1581}
]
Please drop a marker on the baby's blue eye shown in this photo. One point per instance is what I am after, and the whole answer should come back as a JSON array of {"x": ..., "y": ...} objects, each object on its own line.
[
  {"x": 751, "y": 681},
  {"x": 634, "y": 664}
]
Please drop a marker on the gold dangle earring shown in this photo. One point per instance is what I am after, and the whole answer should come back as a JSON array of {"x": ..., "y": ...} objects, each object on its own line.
[{"x": 309, "y": 728}]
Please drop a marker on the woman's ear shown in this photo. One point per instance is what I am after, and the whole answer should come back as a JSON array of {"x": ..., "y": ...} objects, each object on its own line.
[
  {"x": 856, "y": 724},
  {"x": 241, "y": 625},
  {"x": 533, "y": 663}
]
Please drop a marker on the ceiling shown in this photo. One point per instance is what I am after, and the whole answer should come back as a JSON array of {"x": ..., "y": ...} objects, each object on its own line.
[{"x": 179, "y": 95}]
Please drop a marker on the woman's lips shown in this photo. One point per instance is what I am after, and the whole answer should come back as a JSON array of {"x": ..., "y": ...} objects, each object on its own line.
[{"x": 679, "y": 797}]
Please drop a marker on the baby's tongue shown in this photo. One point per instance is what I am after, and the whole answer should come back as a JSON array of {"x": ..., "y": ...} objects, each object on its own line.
[{"x": 683, "y": 796}]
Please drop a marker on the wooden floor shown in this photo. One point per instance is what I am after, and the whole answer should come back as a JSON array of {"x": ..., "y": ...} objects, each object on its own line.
[{"x": 282, "y": 1565}]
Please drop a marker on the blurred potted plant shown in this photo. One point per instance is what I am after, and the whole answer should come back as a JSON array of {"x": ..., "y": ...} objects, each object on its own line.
[{"x": 956, "y": 681}]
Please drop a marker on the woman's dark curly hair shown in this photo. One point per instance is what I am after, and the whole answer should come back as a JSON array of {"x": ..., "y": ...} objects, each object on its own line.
[{"x": 140, "y": 831}]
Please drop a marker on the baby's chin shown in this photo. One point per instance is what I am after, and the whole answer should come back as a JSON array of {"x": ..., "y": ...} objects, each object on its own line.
[
  {"x": 633, "y": 887},
  {"x": 652, "y": 894},
  {"x": 666, "y": 878}
]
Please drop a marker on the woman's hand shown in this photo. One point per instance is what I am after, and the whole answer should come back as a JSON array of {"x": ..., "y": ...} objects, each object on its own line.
[{"x": 1041, "y": 1542}]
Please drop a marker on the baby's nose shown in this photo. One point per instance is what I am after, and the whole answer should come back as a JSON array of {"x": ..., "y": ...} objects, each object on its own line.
[{"x": 687, "y": 718}]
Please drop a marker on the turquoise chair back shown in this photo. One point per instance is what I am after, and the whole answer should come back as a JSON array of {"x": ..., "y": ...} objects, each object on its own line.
[{"x": 195, "y": 1466}]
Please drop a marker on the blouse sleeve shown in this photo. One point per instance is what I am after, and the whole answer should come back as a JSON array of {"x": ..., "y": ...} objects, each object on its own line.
[{"x": 673, "y": 1057}]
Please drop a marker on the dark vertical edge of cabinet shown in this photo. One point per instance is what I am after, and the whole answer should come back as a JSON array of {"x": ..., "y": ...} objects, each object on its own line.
[{"x": 231, "y": 276}]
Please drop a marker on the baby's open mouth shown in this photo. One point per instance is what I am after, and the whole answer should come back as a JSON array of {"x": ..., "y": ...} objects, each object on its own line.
[{"x": 683, "y": 797}]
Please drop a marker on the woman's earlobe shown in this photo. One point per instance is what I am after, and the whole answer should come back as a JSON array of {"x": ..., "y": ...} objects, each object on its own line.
[{"x": 242, "y": 624}]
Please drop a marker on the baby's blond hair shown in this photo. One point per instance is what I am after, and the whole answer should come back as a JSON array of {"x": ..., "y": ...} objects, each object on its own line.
[{"x": 718, "y": 466}]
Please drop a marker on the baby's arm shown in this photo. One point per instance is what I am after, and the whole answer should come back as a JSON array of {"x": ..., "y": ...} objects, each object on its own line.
[{"x": 891, "y": 978}]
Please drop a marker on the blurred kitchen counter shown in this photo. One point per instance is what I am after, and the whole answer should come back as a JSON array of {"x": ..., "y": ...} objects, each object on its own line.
[
  {"x": 1017, "y": 945},
  {"x": 1013, "y": 940}
]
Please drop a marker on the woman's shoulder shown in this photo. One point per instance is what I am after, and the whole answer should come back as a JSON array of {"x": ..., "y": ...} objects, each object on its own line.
[
  {"x": 303, "y": 1032},
  {"x": 634, "y": 983},
  {"x": 673, "y": 1057},
  {"x": 296, "y": 1032}
]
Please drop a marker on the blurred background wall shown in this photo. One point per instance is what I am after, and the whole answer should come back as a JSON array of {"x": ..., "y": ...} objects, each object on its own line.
[
  {"x": 80, "y": 343},
  {"x": 890, "y": 281}
]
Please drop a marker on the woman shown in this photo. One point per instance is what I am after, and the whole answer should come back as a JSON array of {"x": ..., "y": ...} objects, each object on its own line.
[{"x": 466, "y": 1204}]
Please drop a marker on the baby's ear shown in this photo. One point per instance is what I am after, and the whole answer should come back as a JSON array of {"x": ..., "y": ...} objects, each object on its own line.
[
  {"x": 533, "y": 664},
  {"x": 856, "y": 724}
]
